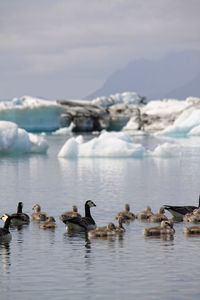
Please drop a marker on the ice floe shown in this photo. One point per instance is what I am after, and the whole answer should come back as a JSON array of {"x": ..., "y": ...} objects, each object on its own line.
[{"x": 15, "y": 140}]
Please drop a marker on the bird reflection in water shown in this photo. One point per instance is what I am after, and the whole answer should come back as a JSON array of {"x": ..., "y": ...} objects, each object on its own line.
[{"x": 5, "y": 257}]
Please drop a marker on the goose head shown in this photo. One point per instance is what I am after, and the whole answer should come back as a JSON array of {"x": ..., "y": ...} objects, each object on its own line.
[
  {"x": 164, "y": 224},
  {"x": 90, "y": 203},
  {"x": 127, "y": 207},
  {"x": 111, "y": 226},
  {"x": 20, "y": 205},
  {"x": 74, "y": 208},
  {"x": 148, "y": 208},
  {"x": 161, "y": 210},
  {"x": 51, "y": 219},
  {"x": 36, "y": 208},
  {"x": 5, "y": 217}
]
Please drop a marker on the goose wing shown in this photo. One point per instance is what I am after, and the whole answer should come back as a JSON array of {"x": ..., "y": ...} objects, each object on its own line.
[
  {"x": 84, "y": 222},
  {"x": 183, "y": 210}
]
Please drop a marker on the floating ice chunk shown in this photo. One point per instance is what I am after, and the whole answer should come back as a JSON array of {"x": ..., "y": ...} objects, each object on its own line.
[
  {"x": 32, "y": 113},
  {"x": 167, "y": 150},
  {"x": 14, "y": 140},
  {"x": 38, "y": 143},
  {"x": 65, "y": 130},
  {"x": 115, "y": 144},
  {"x": 131, "y": 125},
  {"x": 8, "y": 133},
  {"x": 189, "y": 119},
  {"x": 70, "y": 149},
  {"x": 126, "y": 98}
]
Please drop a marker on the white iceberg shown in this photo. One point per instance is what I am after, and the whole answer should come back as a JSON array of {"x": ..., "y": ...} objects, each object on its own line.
[
  {"x": 15, "y": 140},
  {"x": 64, "y": 130},
  {"x": 125, "y": 98},
  {"x": 166, "y": 150},
  {"x": 108, "y": 144},
  {"x": 184, "y": 124}
]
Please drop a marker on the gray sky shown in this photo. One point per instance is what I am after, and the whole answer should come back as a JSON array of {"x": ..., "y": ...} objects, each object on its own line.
[{"x": 67, "y": 48}]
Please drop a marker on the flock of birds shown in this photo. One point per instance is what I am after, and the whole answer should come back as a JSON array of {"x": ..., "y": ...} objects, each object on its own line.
[{"x": 75, "y": 222}]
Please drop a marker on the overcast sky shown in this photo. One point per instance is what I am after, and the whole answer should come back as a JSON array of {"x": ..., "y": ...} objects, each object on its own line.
[{"x": 67, "y": 48}]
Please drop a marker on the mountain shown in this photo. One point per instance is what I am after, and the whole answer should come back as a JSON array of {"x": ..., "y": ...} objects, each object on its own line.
[
  {"x": 175, "y": 74},
  {"x": 192, "y": 88}
]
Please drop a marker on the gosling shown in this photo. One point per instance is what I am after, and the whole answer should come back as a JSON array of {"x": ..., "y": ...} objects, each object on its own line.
[
  {"x": 38, "y": 215},
  {"x": 192, "y": 230},
  {"x": 165, "y": 228},
  {"x": 146, "y": 214},
  {"x": 105, "y": 231},
  {"x": 126, "y": 213},
  {"x": 49, "y": 224},
  {"x": 71, "y": 214},
  {"x": 157, "y": 218}
]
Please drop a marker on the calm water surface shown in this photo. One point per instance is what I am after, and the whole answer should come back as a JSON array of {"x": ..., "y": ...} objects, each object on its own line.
[{"x": 57, "y": 265}]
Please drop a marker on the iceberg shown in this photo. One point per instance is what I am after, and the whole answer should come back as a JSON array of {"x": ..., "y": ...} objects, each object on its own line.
[
  {"x": 107, "y": 144},
  {"x": 166, "y": 150},
  {"x": 184, "y": 125},
  {"x": 125, "y": 111},
  {"x": 64, "y": 130},
  {"x": 15, "y": 140},
  {"x": 32, "y": 114},
  {"x": 119, "y": 98}
]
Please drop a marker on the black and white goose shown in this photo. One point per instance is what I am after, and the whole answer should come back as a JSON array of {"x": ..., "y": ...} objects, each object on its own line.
[
  {"x": 81, "y": 223},
  {"x": 178, "y": 212},
  {"x": 19, "y": 218},
  {"x": 5, "y": 235}
]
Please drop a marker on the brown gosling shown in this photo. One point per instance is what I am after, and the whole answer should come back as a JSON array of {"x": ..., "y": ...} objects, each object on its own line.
[
  {"x": 146, "y": 214},
  {"x": 105, "y": 231},
  {"x": 49, "y": 224},
  {"x": 119, "y": 228},
  {"x": 157, "y": 218},
  {"x": 38, "y": 215},
  {"x": 164, "y": 228},
  {"x": 192, "y": 230},
  {"x": 71, "y": 214},
  {"x": 187, "y": 217},
  {"x": 126, "y": 213},
  {"x": 194, "y": 217}
]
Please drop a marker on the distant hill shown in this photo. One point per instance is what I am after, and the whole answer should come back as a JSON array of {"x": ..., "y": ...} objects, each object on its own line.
[
  {"x": 192, "y": 88},
  {"x": 177, "y": 75}
]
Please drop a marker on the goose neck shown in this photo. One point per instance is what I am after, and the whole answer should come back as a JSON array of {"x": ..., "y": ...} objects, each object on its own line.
[{"x": 87, "y": 211}]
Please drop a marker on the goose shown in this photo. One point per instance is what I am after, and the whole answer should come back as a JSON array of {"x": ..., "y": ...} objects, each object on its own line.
[
  {"x": 105, "y": 231},
  {"x": 81, "y": 223},
  {"x": 5, "y": 235},
  {"x": 192, "y": 230},
  {"x": 38, "y": 215},
  {"x": 49, "y": 224},
  {"x": 146, "y": 214},
  {"x": 126, "y": 214},
  {"x": 157, "y": 218},
  {"x": 179, "y": 212},
  {"x": 164, "y": 228},
  {"x": 73, "y": 213},
  {"x": 19, "y": 218}
]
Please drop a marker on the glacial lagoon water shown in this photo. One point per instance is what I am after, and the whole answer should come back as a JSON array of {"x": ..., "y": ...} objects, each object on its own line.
[{"x": 57, "y": 265}]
